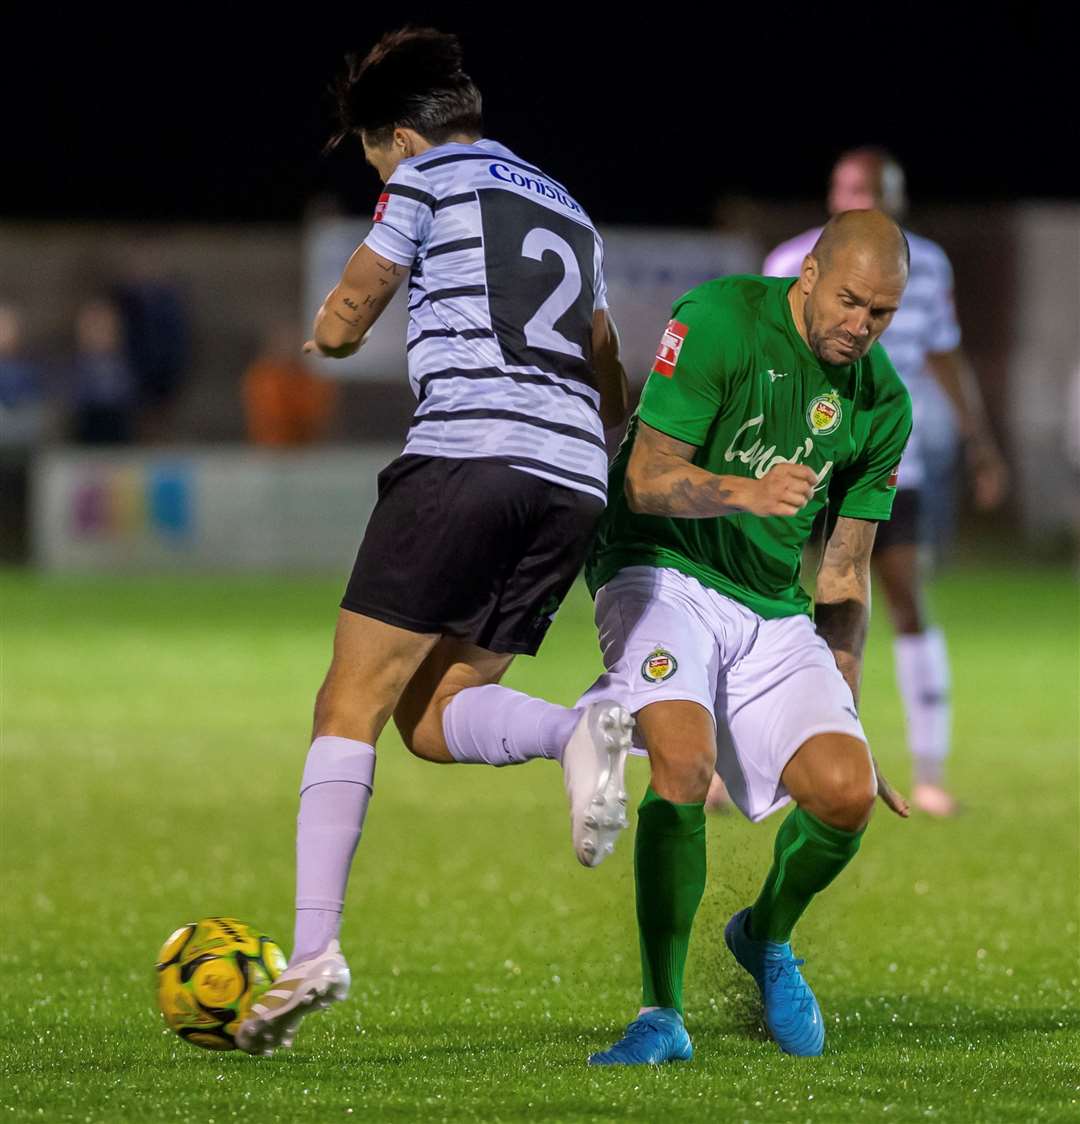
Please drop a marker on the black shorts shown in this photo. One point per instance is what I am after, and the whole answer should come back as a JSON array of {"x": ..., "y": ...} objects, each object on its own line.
[
  {"x": 903, "y": 528},
  {"x": 472, "y": 549}
]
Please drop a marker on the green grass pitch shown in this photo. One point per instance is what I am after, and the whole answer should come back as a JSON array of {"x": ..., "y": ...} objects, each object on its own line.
[{"x": 153, "y": 735}]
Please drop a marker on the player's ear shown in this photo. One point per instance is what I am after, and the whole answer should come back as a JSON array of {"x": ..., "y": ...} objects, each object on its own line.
[
  {"x": 403, "y": 145},
  {"x": 810, "y": 273}
]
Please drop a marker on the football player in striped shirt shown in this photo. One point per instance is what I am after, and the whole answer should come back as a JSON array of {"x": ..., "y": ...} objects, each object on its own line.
[{"x": 483, "y": 522}]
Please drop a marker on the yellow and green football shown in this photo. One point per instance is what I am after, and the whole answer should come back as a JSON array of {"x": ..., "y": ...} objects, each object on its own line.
[{"x": 208, "y": 975}]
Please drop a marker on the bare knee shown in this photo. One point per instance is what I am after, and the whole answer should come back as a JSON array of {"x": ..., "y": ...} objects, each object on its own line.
[
  {"x": 846, "y": 799},
  {"x": 681, "y": 741},
  {"x": 832, "y": 777},
  {"x": 690, "y": 782}
]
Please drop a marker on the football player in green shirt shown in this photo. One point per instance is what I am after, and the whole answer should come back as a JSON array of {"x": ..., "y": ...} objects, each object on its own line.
[{"x": 769, "y": 400}]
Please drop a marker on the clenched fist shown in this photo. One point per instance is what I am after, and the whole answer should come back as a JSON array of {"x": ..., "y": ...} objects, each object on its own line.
[{"x": 784, "y": 490}]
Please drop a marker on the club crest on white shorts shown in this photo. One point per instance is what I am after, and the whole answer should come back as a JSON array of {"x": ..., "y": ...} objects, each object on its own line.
[{"x": 659, "y": 666}]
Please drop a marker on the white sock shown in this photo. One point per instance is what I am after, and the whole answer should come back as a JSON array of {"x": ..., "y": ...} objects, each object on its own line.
[
  {"x": 493, "y": 725},
  {"x": 338, "y": 779},
  {"x": 922, "y": 674}
]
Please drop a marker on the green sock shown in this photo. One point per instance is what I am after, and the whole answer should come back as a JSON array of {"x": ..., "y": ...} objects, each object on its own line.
[
  {"x": 669, "y": 866},
  {"x": 808, "y": 855}
]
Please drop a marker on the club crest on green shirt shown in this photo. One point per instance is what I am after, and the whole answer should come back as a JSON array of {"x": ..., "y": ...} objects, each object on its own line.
[
  {"x": 659, "y": 665},
  {"x": 824, "y": 414}
]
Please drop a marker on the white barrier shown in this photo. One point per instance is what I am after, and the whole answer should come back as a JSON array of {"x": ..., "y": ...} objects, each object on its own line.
[{"x": 202, "y": 509}]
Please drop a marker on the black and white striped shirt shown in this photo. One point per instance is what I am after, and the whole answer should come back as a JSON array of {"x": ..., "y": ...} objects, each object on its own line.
[{"x": 506, "y": 271}]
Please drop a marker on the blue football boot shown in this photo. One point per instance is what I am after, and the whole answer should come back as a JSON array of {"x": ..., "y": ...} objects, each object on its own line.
[
  {"x": 655, "y": 1037},
  {"x": 792, "y": 1013}
]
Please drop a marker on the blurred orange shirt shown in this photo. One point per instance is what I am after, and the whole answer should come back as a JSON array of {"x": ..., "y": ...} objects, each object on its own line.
[{"x": 285, "y": 404}]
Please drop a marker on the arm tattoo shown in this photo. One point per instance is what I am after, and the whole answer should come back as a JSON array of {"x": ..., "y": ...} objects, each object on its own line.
[
  {"x": 390, "y": 267},
  {"x": 664, "y": 481},
  {"x": 686, "y": 499},
  {"x": 351, "y": 304},
  {"x": 842, "y": 609},
  {"x": 352, "y": 323}
]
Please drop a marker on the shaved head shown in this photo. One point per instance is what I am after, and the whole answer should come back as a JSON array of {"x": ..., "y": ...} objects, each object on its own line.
[
  {"x": 868, "y": 233},
  {"x": 850, "y": 286}
]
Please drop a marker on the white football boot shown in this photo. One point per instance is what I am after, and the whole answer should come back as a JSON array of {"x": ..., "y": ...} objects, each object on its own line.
[
  {"x": 311, "y": 985},
  {"x": 594, "y": 762}
]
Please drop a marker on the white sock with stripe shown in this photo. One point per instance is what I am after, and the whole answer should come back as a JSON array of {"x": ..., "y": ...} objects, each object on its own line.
[{"x": 922, "y": 674}]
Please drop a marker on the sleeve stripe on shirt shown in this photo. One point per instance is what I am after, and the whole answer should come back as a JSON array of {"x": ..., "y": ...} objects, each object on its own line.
[
  {"x": 448, "y": 294},
  {"x": 401, "y": 233},
  {"x": 454, "y": 200},
  {"x": 452, "y": 247},
  {"x": 510, "y": 415},
  {"x": 450, "y": 333},
  {"x": 407, "y": 192},
  {"x": 527, "y": 377}
]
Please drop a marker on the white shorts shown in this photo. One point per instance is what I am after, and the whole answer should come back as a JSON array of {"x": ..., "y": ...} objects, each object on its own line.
[{"x": 769, "y": 684}]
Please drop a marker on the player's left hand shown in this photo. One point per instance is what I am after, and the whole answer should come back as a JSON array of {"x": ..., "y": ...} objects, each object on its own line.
[
  {"x": 894, "y": 800},
  {"x": 989, "y": 474}
]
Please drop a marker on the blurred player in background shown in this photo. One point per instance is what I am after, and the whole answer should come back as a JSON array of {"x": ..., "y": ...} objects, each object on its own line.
[
  {"x": 923, "y": 337},
  {"x": 769, "y": 399},
  {"x": 483, "y": 523}
]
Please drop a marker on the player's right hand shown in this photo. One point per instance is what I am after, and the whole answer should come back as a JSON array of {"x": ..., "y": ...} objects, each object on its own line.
[
  {"x": 784, "y": 490},
  {"x": 312, "y": 347}
]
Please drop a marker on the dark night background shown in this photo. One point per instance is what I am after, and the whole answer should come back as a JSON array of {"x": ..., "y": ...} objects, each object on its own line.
[{"x": 649, "y": 115}]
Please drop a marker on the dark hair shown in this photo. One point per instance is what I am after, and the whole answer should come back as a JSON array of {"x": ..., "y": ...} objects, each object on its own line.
[{"x": 411, "y": 78}]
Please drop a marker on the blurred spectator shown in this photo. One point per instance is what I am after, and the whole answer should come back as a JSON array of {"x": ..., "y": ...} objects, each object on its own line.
[
  {"x": 23, "y": 414},
  {"x": 23, "y": 423},
  {"x": 284, "y": 403},
  {"x": 102, "y": 385},
  {"x": 157, "y": 331}
]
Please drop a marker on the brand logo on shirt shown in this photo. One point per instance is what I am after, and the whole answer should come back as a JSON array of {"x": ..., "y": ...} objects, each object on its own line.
[
  {"x": 894, "y": 477},
  {"x": 774, "y": 375},
  {"x": 532, "y": 183},
  {"x": 667, "y": 354},
  {"x": 761, "y": 457},
  {"x": 659, "y": 666},
  {"x": 380, "y": 207},
  {"x": 824, "y": 414}
]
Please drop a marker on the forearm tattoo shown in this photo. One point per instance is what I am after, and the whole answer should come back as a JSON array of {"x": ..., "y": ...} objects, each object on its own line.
[
  {"x": 681, "y": 497},
  {"x": 842, "y": 625},
  {"x": 842, "y": 609},
  {"x": 665, "y": 481}
]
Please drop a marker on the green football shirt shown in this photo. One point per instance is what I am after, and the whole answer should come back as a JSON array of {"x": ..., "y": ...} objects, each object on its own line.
[{"x": 734, "y": 377}]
